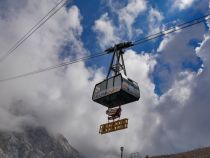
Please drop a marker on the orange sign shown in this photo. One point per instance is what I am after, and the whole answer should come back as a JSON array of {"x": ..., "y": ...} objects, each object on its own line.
[{"x": 113, "y": 126}]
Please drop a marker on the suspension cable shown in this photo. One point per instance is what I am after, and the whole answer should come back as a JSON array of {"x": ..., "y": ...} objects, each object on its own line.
[
  {"x": 41, "y": 22},
  {"x": 137, "y": 42}
]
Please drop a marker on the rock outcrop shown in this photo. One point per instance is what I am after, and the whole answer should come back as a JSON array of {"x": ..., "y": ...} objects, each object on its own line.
[{"x": 35, "y": 143}]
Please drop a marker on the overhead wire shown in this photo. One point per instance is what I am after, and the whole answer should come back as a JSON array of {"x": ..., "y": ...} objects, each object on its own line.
[
  {"x": 54, "y": 67},
  {"x": 41, "y": 22},
  {"x": 137, "y": 42},
  {"x": 174, "y": 29}
]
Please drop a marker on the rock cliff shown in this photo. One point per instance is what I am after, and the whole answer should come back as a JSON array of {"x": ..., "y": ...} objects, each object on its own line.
[{"x": 35, "y": 143}]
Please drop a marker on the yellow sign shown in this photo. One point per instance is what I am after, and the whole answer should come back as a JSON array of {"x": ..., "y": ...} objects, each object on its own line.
[{"x": 113, "y": 126}]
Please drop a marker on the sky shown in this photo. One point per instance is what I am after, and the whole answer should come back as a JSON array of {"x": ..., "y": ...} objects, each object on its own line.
[{"x": 173, "y": 74}]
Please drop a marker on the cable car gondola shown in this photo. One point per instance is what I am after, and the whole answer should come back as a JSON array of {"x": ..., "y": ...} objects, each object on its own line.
[{"x": 117, "y": 89}]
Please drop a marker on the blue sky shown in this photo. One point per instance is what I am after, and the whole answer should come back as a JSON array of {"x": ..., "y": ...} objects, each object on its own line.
[
  {"x": 172, "y": 114},
  {"x": 172, "y": 16}
]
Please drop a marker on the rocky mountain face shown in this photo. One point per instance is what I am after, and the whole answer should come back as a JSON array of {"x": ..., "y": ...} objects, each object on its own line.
[{"x": 35, "y": 143}]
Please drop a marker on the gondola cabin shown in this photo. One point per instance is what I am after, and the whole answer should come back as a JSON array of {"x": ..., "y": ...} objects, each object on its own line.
[{"x": 116, "y": 91}]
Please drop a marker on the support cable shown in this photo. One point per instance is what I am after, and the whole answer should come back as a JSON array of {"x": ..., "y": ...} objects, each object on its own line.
[
  {"x": 41, "y": 22},
  {"x": 137, "y": 42}
]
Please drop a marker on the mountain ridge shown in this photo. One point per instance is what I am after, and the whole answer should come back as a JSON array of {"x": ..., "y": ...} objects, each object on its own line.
[{"x": 35, "y": 142}]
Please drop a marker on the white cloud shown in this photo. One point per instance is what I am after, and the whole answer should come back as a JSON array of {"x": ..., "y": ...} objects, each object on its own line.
[
  {"x": 183, "y": 4},
  {"x": 167, "y": 124},
  {"x": 155, "y": 18},
  {"x": 201, "y": 52},
  {"x": 107, "y": 35},
  {"x": 110, "y": 33},
  {"x": 174, "y": 50},
  {"x": 61, "y": 99},
  {"x": 130, "y": 12},
  {"x": 74, "y": 20},
  {"x": 180, "y": 91},
  {"x": 183, "y": 110}
]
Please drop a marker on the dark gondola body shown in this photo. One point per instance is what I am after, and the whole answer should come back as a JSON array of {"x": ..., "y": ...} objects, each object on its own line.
[{"x": 116, "y": 91}]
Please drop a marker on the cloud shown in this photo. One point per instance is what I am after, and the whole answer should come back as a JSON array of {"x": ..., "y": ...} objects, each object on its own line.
[
  {"x": 61, "y": 99},
  {"x": 183, "y": 111},
  {"x": 174, "y": 50},
  {"x": 155, "y": 18},
  {"x": 106, "y": 31},
  {"x": 9, "y": 8},
  {"x": 183, "y": 4},
  {"x": 137, "y": 112},
  {"x": 130, "y": 12},
  {"x": 109, "y": 32},
  {"x": 167, "y": 123}
]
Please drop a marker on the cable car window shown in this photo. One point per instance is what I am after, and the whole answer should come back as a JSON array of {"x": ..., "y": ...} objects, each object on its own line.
[
  {"x": 110, "y": 83},
  {"x": 117, "y": 81},
  {"x": 135, "y": 84},
  {"x": 125, "y": 81},
  {"x": 103, "y": 85},
  {"x": 97, "y": 89}
]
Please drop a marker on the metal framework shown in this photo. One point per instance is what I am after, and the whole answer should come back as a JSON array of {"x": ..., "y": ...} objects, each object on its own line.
[
  {"x": 117, "y": 63},
  {"x": 116, "y": 66}
]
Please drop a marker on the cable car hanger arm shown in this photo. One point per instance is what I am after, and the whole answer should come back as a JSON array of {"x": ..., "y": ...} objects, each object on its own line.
[
  {"x": 119, "y": 46},
  {"x": 118, "y": 50}
]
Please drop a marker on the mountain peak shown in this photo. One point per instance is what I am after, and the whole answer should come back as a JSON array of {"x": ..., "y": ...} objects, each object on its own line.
[{"x": 35, "y": 142}]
